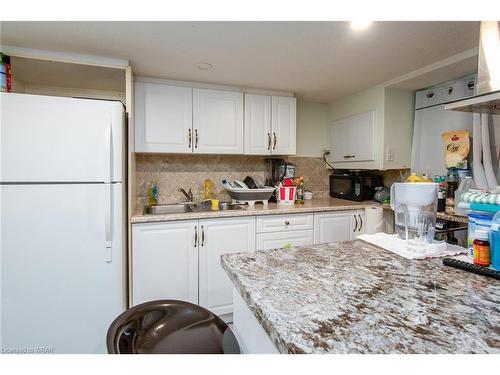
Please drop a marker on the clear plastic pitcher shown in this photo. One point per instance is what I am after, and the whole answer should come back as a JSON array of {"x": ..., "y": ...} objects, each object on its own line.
[{"x": 415, "y": 206}]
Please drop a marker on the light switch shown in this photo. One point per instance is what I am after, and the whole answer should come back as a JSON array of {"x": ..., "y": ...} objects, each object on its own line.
[{"x": 390, "y": 154}]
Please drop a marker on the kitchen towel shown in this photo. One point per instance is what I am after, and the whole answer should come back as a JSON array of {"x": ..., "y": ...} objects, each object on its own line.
[
  {"x": 396, "y": 245},
  {"x": 374, "y": 219}
]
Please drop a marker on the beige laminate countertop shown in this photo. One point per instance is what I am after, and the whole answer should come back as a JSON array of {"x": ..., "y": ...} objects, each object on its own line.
[{"x": 314, "y": 205}]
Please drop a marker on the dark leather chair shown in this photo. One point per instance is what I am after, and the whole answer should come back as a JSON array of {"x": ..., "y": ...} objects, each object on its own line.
[{"x": 170, "y": 327}]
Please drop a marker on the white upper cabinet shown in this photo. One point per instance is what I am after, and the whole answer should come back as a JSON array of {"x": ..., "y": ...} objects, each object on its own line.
[
  {"x": 163, "y": 118},
  {"x": 257, "y": 124},
  {"x": 284, "y": 125},
  {"x": 179, "y": 119},
  {"x": 353, "y": 138},
  {"x": 217, "y": 122}
]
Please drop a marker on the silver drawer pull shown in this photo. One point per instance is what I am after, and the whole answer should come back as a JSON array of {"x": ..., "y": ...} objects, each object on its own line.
[{"x": 349, "y": 156}]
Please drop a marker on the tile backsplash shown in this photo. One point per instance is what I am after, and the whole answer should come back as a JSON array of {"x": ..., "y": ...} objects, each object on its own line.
[{"x": 190, "y": 171}]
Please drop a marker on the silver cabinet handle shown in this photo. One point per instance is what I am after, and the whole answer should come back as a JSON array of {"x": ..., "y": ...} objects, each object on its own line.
[
  {"x": 274, "y": 145},
  {"x": 202, "y": 236},
  {"x": 195, "y": 236},
  {"x": 356, "y": 226},
  {"x": 196, "y": 138},
  {"x": 360, "y": 223},
  {"x": 189, "y": 137},
  {"x": 349, "y": 156},
  {"x": 268, "y": 141}
]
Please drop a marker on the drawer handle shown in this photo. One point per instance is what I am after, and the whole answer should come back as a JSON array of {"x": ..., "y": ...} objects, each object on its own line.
[
  {"x": 287, "y": 222},
  {"x": 349, "y": 156}
]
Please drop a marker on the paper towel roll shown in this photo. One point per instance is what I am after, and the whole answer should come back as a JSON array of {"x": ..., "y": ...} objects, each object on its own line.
[{"x": 374, "y": 219}]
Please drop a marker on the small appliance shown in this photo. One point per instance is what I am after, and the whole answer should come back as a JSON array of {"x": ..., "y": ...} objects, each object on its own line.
[{"x": 354, "y": 185}]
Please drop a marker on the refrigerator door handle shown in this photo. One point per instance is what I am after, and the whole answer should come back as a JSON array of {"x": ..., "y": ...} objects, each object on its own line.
[
  {"x": 107, "y": 223},
  {"x": 107, "y": 153}
]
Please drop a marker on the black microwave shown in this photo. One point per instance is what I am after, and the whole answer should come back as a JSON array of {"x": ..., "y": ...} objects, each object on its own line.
[{"x": 354, "y": 185}]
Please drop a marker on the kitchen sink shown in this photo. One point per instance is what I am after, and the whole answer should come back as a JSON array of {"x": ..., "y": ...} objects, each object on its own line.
[{"x": 183, "y": 207}]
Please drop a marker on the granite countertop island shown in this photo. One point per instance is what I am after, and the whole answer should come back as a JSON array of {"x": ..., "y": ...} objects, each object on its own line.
[{"x": 353, "y": 297}]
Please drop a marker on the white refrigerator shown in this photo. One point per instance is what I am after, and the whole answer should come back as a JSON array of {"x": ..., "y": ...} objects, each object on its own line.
[{"x": 62, "y": 223}]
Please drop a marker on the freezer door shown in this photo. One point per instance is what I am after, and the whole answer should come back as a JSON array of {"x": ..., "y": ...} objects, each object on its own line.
[
  {"x": 51, "y": 139},
  {"x": 61, "y": 286}
]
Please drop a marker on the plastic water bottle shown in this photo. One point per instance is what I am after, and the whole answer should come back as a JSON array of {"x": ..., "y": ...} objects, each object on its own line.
[{"x": 495, "y": 242}]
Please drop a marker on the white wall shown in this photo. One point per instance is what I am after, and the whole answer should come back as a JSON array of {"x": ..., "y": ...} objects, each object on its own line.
[{"x": 312, "y": 120}]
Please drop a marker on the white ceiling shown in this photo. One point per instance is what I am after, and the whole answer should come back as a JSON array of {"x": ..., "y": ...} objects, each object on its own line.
[{"x": 319, "y": 61}]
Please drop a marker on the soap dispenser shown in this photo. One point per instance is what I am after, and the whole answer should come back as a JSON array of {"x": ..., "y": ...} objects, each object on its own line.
[{"x": 153, "y": 194}]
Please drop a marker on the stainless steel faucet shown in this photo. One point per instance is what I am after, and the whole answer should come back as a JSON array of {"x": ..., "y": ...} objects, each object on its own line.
[{"x": 188, "y": 195}]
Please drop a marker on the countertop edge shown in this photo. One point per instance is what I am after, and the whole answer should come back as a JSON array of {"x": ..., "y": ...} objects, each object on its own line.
[
  {"x": 296, "y": 209},
  {"x": 255, "y": 309}
]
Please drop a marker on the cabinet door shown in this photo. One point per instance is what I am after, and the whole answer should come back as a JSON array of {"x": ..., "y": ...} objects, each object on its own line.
[
  {"x": 284, "y": 125},
  {"x": 334, "y": 226},
  {"x": 217, "y": 237},
  {"x": 266, "y": 241},
  {"x": 258, "y": 136},
  {"x": 163, "y": 118},
  {"x": 218, "y": 121},
  {"x": 164, "y": 262},
  {"x": 353, "y": 138}
]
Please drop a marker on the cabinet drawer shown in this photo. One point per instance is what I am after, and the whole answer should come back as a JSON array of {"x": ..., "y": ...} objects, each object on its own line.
[
  {"x": 266, "y": 241},
  {"x": 278, "y": 223}
]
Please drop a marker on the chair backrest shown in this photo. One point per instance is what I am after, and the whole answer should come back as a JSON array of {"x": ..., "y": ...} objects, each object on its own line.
[{"x": 170, "y": 327}]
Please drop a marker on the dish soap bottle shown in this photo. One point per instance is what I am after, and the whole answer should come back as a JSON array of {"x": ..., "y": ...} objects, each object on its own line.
[
  {"x": 153, "y": 194},
  {"x": 207, "y": 188}
]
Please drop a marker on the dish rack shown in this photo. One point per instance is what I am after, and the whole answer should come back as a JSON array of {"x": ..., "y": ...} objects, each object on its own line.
[{"x": 240, "y": 193}]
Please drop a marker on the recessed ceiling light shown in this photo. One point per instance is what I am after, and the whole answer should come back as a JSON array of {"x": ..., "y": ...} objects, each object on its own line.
[
  {"x": 360, "y": 25},
  {"x": 205, "y": 66}
]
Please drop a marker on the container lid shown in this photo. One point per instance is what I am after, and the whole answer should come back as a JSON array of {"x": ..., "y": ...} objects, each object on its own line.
[
  {"x": 481, "y": 234},
  {"x": 480, "y": 215}
]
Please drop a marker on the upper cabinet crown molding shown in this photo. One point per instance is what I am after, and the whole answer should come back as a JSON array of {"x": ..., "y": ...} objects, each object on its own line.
[
  {"x": 182, "y": 119},
  {"x": 212, "y": 86}
]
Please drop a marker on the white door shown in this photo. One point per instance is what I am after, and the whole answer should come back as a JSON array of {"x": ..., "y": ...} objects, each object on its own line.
[
  {"x": 163, "y": 118},
  {"x": 217, "y": 237},
  {"x": 353, "y": 138},
  {"x": 427, "y": 153},
  {"x": 165, "y": 261},
  {"x": 284, "y": 125},
  {"x": 258, "y": 137},
  {"x": 266, "y": 241},
  {"x": 334, "y": 226},
  {"x": 217, "y": 121},
  {"x": 61, "y": 286},
  {"x": 55, "y": 139}
]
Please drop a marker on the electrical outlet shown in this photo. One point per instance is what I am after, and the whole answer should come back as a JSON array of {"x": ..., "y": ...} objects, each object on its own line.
[
  {"x": 326, "y": 151},
  {"x": 390, "y": 154}
]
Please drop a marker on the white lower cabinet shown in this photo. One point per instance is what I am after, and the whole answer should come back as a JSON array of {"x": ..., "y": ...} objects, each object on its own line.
[
  {"x": 337, "y": 226},
  {"x": 266, "y": 241},
  {"x": 217, "y": 237},
  {"x": 164, "y": 261},
  {"x": 181, "y": 260}
]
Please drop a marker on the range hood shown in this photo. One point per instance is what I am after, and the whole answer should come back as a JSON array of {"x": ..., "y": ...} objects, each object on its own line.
[{"x": 487, "y": 98}]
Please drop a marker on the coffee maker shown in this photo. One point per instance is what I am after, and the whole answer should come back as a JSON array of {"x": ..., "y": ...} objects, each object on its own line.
[{"x": 278, "y": 170}]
